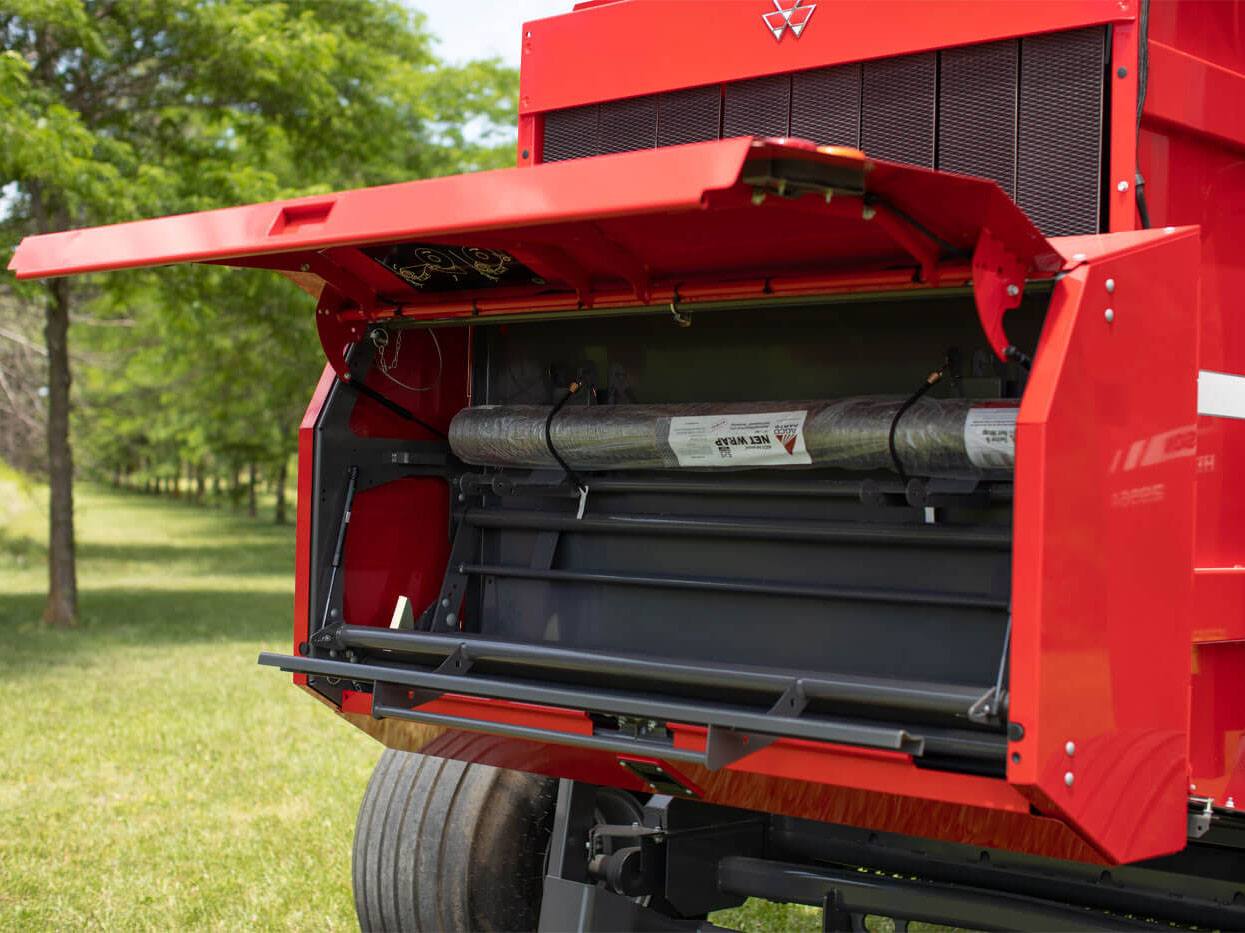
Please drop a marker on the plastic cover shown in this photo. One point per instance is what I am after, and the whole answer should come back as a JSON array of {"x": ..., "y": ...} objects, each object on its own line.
[{"x": 934, "y": 437}]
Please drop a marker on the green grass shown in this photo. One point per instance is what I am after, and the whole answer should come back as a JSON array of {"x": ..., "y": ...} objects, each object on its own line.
[{"x": 151, "y": 775}]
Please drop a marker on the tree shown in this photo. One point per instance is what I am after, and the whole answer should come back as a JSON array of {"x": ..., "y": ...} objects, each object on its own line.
[{"x": 120, "y": 108}]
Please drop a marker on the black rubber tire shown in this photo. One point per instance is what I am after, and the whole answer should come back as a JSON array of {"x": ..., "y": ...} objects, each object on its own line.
[{"x": 444, "y": 845}]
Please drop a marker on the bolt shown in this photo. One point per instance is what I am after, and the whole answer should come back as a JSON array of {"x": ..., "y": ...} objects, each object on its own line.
[
  {"x": 1070, "y": 748},
  {"x": 1110, "y": 286},
  {"x": 462, "y": 497},
  {"x": 1078, "y": 257},
  {"x": 868, "y": 213},
  {"x": 450, "y": 619},
  {"x": 1230, "y": 803},
  {"x": 1169, "y": 229},
  {"x": 526, "y": 154},
  {"x": 1192, "y": 787},
  {"x": 1109, "y": 314},
  {"x": 1122, "y": 72},
  {"x": 445, "y": 603},
  {"x": 1068, "y": 778},
  {"x": 1013, "y": 291},
  {"x": 1122, "y": 186},
  {"x": 305, "y": 267}
]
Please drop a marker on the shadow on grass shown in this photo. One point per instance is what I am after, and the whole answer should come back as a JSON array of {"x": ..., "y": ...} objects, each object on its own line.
[
  {"x": 240, "y": 559},
  {"x": 115, "y": 620}
]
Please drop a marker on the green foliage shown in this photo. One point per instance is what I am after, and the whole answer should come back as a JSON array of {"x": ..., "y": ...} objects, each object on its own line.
[{"x": 117, "y": 109}]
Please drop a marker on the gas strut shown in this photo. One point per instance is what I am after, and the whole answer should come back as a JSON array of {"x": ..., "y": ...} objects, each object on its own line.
[{"x": 352, "y": 478}]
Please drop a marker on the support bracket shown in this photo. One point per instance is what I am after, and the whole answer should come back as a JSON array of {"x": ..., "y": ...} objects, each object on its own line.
[{"x": 998, "y": 286}]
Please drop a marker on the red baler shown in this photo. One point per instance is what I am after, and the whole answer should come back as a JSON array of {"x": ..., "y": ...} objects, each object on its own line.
[{"x": 820, "y": 455}]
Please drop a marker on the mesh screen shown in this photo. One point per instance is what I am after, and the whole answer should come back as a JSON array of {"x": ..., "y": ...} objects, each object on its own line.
[
  {"x": 977, "y": 111},
  {"x": 760, "y": 107},
  {"x": 691, "y": 116},
  {"x": 571, "y": 134},
  {"x": 825, "y": 105},
  {"x": 1058, "y": 171},
  {"x": 897, "y": 108},
  {"x": 629, "y": 124}
]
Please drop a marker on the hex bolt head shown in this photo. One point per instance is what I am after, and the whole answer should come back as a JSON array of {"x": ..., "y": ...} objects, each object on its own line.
[
  {"x": 1070, "y": 748},
  {"x": 1068, "y": 778},
  {"x": 1110, "y": 286},
  {"x": 1122, "y": 186},
  {"x": 1013, "y": 291},
  {"x": 1109, "y": 314}
]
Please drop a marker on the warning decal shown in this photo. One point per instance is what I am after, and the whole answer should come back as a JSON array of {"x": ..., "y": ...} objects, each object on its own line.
[
  {"x": 990, "y": 437},
  {"x": 773, "y": 438}
]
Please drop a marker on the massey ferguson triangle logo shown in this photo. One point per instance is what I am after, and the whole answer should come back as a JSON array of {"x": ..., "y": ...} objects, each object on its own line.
[{"x": 788, "y": 14}]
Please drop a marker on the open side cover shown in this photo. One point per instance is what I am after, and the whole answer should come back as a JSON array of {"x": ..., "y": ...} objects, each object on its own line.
[{"x": 732, "y": 218}]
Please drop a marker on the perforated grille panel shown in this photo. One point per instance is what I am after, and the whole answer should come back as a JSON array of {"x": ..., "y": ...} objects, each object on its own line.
[
  {"x": 1027, "y": 113},
  {"x": 897, "y": 108},
  {"x": 760, "y": 107},
  {"x": 977, "y": 111},
  {"x": 691, "y": 116},
  {"x": 571, "y": 134},
  {"x": 825, "y": 105},
  {"x": 628, "y": 124},
  {"x": 1058, "y": 171}
]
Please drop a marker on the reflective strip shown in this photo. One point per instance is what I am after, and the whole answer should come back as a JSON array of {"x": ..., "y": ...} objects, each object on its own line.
[{"x": 1220, "y": 394}]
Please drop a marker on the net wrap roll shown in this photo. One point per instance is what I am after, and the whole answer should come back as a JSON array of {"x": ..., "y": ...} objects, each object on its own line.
[{"x": 934, "y": 437}]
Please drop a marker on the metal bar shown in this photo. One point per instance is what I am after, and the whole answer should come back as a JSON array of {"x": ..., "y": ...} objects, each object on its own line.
[
  {"x": 706, "y": 584},
  {"x": 662, "y": 709},
  {"x": 865, "y": 893},
  {"x": 600, "y": 742},
  {"x": 850, "y": 532},
  {"x": 915, "y": 696},
  {"x": 502, "y": 484}
]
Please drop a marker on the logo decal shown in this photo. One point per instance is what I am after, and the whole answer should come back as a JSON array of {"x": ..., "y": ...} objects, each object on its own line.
[
  {"x": 788, "y": 14},
  {"x": 787, "y": 434}
]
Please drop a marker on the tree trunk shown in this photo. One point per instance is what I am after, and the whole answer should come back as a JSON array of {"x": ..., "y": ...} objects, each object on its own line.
[
  {"x": 62, "y": 606},
  {"x": 200, "y": 483},
  {"x": 281, "y": 471},
  {"x": 252, "y": 507}
]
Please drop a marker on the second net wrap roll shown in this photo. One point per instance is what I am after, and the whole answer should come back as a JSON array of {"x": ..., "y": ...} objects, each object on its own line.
[{"x": 934, "y": 437}]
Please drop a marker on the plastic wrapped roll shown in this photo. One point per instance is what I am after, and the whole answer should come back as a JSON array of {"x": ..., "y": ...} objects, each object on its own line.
[{"x": 934, "y": 437}]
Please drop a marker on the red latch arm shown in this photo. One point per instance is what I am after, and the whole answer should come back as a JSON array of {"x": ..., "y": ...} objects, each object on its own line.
[{"x": 998, "y": 286}]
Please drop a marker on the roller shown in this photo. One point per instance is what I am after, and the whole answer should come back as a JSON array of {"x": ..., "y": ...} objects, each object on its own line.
[{"x": 933, "y": 437}]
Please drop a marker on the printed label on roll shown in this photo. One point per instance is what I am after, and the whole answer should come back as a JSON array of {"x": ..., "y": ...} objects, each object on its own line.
[
  {"x": 774, "y": 438},
  {"x": 990, "y": 437}
]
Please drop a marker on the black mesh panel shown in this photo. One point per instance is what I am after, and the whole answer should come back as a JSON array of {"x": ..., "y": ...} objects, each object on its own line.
[
  {"x": 897, "y": 109},
  {"x": 977, "y": 111},
  {"x": 629, "y": 124},
  {"x": 760, "y": 107},
  {"x": 571, "y": 134},
  {"x": 691, "y": 116},
  {"x": 825, "y": 105},
  {"x": 1058, "y": 177}
]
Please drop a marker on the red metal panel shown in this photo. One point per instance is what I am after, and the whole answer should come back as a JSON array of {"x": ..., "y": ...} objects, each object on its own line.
[
  {"x": 631, "y": 48},
  {"x": 303, "y": 517},
  {"x": 1122, "y": 132},
  {"x": 1104, "y": 550}
]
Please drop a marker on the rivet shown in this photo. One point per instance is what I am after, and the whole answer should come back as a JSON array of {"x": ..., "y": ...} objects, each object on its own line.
[
  {"x": 1230, "y": 803},
  {"x": 1122, "y": 72},
  {"x": 1070, "y": 748},
  {"x": 1109, "y": 314},
  {"x": 445, "y": 603},
  {"x": 450, "y": 619},
  {"x": 868, "y": 213},
  {"x": 462, "y": 497},
  {"x": 1078, "y": 257},
  {"x": 1013, "y": 291},
  {"x": 305, "y": 267},
  {"x": 1068, "y": 778},
  {"x": 1110, "y": 286},
  {"x": 1122, "y": 186}
]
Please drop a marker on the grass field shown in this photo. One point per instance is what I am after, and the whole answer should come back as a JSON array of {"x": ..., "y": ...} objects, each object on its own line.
[{"x": 152, "y": 775}]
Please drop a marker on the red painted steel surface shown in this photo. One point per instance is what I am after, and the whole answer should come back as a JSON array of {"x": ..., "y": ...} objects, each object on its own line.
[
  {"x": 672, "y": 44},
  {"x": 1192, "y": 152},
  {"x": 1103, "y": 550},
  {"x": 635, "y": 224}
]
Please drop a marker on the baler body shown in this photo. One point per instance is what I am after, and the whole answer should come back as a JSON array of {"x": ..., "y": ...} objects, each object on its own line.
[{"x": 1045, "y": 661}]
